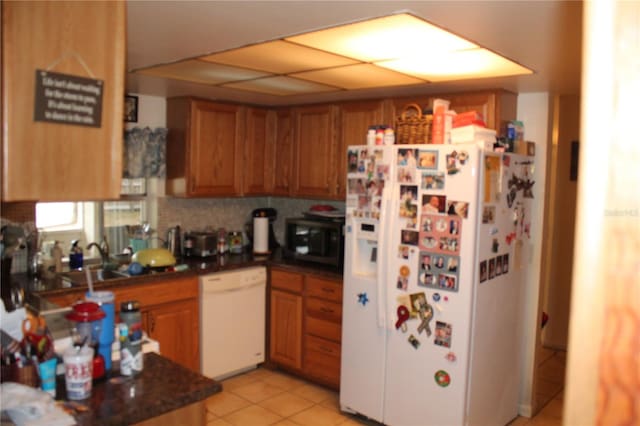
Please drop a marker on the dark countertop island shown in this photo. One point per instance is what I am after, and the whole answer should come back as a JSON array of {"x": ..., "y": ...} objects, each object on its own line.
[{"x": 162, "y": 388}]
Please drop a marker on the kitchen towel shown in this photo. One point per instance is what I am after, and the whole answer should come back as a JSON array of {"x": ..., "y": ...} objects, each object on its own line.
[{"x": 261, "y": 235}]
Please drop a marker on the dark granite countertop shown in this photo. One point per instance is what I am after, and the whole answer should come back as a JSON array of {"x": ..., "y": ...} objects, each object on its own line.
[{"x": 161, "y": 387}]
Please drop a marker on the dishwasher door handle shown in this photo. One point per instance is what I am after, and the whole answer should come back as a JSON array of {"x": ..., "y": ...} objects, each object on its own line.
[{"x": 232, "y": 289}]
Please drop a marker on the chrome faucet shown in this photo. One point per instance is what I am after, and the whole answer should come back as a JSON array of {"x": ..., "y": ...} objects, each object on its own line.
[{"x": 103, "y": 249}]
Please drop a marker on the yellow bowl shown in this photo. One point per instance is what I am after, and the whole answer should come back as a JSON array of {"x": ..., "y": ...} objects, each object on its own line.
[{"x": 154, "y": 257}]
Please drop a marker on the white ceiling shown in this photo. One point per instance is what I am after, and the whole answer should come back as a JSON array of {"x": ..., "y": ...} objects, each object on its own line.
[{"x": 543, "y": 35}]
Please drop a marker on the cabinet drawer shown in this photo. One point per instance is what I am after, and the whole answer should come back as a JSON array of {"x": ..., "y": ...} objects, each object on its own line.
[
  {"x": 325, "y": 329},
  {"x": 289, "y": 281},
  {"x": 323, "y": 309},
  {"x": 323, "y": 364},
  {"x": 324, "y": 289},
  {"x": 325, "y": 347}
]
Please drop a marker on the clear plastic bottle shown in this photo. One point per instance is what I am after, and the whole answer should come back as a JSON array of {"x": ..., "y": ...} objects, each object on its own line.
[{"x": 131, "y": 356}]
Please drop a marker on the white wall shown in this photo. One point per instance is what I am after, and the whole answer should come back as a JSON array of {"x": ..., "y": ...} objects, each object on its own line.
[{"x": 533, "y": 111}]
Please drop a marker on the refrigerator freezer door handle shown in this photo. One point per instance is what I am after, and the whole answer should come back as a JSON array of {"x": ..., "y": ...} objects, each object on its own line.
[{"x": 381, "y": 276}]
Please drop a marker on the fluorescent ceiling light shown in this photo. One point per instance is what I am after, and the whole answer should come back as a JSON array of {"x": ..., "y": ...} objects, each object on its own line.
[
  {"x": 361, "y": 76},
  {"x": 281, "y": 86},
  {"x": 202, "y": 72},
  {"x": 394, "y": 50},
  {"x": 279, "y": 57},
  {"x": 389, "y": 37},
  {"x": 448, "y": 66}
]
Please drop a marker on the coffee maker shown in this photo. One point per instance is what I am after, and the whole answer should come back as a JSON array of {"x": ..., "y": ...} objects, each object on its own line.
[{"x": 269, "y": 213}]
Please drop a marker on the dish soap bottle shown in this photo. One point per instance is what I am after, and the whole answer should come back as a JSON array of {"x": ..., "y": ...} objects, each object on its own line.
[{"x": 75, "y": 255}]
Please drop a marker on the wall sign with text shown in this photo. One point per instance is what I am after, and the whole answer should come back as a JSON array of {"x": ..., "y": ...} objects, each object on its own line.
[{"x": 68, "y": 99}]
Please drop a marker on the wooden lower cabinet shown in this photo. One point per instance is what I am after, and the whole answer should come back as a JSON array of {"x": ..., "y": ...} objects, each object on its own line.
[
  {"x": 286, "y": 329},
  {"x": 306, "y": 325},
  {"x": 170, "y": 314},
  {"x": 175, "y": 327}
]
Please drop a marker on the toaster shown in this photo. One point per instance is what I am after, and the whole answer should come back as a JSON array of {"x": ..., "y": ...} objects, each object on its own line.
[{"x": 203, "y": 244}]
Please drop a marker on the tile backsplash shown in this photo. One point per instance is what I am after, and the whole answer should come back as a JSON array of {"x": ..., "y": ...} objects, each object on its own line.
[{"x": 229, "y": 213}]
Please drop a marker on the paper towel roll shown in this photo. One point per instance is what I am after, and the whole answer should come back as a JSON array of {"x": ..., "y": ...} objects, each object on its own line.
[{"x": 261, "y": 235}]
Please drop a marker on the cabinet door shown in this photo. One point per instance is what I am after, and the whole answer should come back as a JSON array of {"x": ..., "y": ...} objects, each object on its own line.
[
  {"x": 354, "y": 121},
  {"x": 286, "y": 329},
  {"x": 175, "y": 327},
  {"x": 62, "y": 161},
  {"x": 215, "y": 149},
  {"x": 498, "y": 107},
  {"x": 316, "y": 171},
  {"x": 283, "y": 153},
  {"x": 257, "y": 170}
]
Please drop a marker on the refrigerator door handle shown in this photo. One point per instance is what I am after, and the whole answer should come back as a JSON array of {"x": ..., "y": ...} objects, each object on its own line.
[{"x": 381, "y": 273}]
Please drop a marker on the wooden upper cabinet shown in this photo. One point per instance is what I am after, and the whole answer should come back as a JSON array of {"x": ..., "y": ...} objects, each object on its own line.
[
  {"x": 497, "y": 106},
  {"x": 283, "y": 153},
  {"x": 353, "y": 122},
  {"x": 52, "y": 161},
  {"x": 257, "y": 167},
  {"x": 315, "y": 172},
  {"x": 204, "y": 148}
]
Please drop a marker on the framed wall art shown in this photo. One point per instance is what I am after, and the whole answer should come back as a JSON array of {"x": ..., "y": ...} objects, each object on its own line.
[{"x": 130, "y": 109}]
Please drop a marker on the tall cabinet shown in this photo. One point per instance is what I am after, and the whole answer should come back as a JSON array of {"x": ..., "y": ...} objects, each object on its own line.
[{"x": 71, "y": 158}]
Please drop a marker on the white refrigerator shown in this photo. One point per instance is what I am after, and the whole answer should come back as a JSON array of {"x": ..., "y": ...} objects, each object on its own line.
[{"x": 436, "y": 249}]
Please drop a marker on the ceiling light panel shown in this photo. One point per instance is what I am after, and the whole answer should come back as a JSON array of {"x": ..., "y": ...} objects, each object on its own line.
[
  {"x": 389, "y": 37},
  {"x": 202, "y": 72},
  {"x": 281, "y": 86},
  {"x": 361, "y": 76},
  {"x": 279, "y": 57},
  {"x": 449, "y": 66}
]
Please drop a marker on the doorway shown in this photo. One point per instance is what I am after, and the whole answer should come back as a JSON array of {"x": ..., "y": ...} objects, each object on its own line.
[{"x": 561, "y": 193}]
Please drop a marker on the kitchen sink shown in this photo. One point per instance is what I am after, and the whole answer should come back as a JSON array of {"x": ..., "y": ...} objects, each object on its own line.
[{"x": 79, "y": 278}]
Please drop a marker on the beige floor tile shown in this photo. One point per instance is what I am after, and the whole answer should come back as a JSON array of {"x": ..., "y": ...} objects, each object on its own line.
[
  {"x": 553, "y": 409},
  {"x": 540, "y": 420},
  {"x": 253, "y": 415},
  {"x": 218, "y": 422},
  {"x": 319, "y": 416},
  {"x": 258, "y": 391},
  {"x": 352, "y": 422},
  {"x": 286, "y": 404},
  {"x": 224, "y": 403},
  {"x": 553, "y": 370},
  {"x": 237, "y": 381},
  {"x": 283, "y": 380},
  {"x": 286, "y": 422},
  {"x": 332, "y": 402},
  {"x": 210, "y": 416},
  {"x": 519, "y": 421},
  {"x": 259, "y": 373},
  {"x": 548, "y": 389},
  {"x": 313, "y": 393}
]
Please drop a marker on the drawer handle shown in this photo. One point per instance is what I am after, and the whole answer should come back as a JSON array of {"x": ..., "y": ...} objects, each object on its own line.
[
  {"x": 325, "y": 349},
  {"x": 328, "y": 290},
  {"x": 326, "y": 310}
]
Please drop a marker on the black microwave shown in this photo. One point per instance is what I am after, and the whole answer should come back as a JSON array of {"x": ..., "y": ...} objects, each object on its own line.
[{"x": 315, "y": 240}]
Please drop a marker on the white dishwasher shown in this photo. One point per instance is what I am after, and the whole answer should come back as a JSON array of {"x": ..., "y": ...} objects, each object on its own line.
[{"x": 232, "y": 321}]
